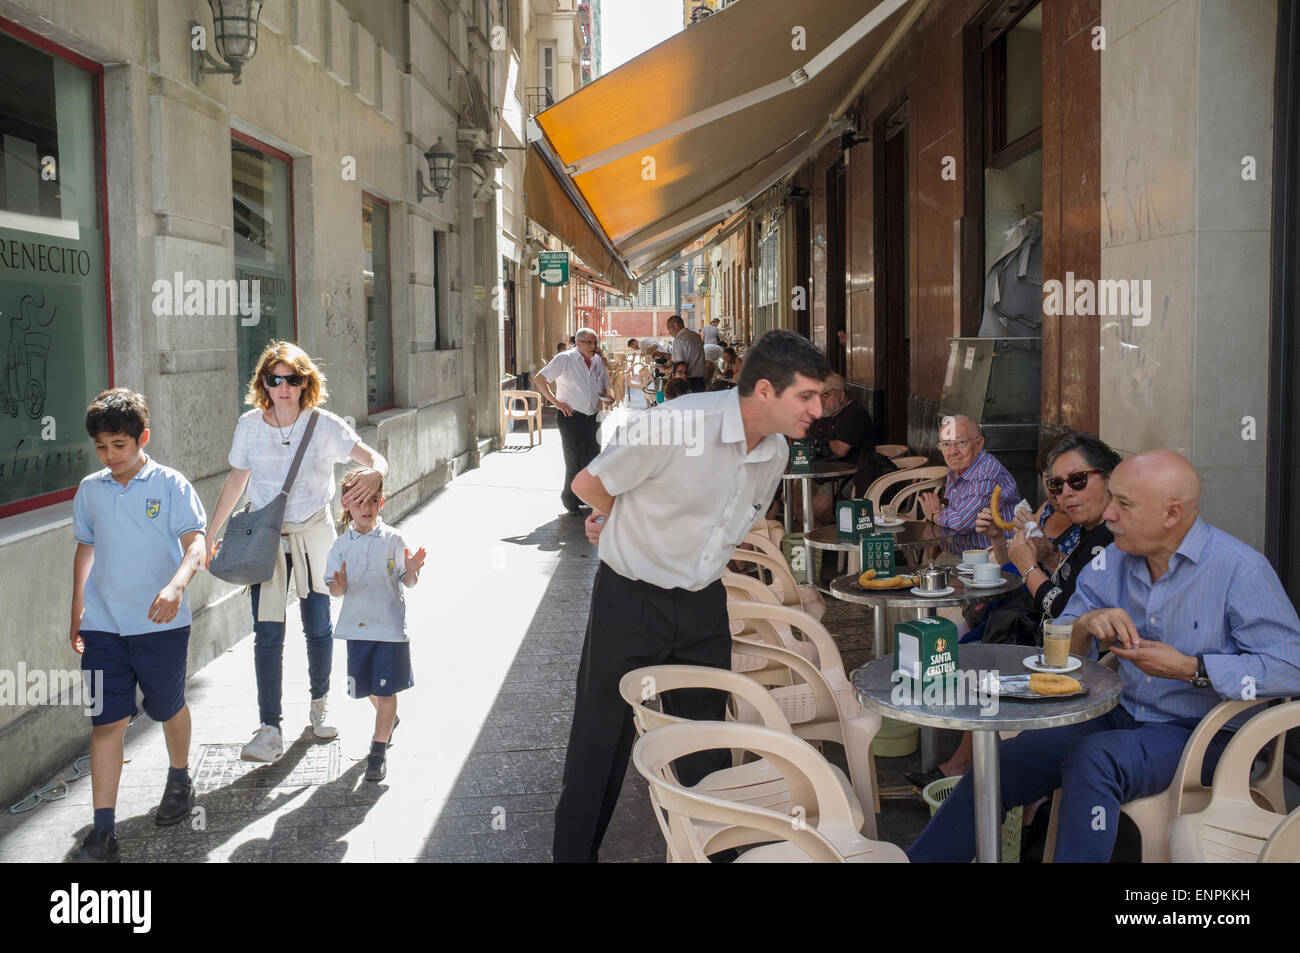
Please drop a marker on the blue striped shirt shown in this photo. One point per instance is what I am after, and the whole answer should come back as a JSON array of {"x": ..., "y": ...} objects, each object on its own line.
[
  {"x": 1218, "y": 599},
  {"x": 969, "y": 492}
]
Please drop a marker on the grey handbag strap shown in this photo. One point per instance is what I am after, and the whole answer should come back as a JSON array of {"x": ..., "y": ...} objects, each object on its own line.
[{"x": 297, "y": 457}]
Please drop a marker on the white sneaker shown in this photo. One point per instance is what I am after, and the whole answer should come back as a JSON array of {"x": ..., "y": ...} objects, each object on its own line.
[
  {"x": 266, "y": 746},
  {"x": 318, "y": 725}
]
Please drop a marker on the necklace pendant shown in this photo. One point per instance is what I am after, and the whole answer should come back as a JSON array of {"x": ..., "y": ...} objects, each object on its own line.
[{"x": 286, "y": 443}]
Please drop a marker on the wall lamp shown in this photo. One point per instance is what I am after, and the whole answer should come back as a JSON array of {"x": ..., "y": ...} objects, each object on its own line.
[
  {"x": 441, "y": 161},
  {"x": 234, "y": 33}
]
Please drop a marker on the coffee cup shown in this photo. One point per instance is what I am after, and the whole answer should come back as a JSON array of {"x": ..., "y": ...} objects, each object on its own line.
[
  {"x": 988, "y": 572},
  {"x": 1056, "y": 643},
  {"x": 889, "y": 512},
  {"x": 973, "y": 557}
]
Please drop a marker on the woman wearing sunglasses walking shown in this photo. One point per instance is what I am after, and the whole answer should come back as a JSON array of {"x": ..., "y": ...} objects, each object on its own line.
[{"x": 285, "y": 390}]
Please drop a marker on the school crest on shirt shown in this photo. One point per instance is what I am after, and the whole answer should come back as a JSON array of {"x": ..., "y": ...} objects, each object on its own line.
[{"x": 152, "y": 508}]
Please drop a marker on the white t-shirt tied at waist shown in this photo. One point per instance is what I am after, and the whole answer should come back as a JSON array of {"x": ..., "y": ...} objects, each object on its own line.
[{"x": 308, "y": 524}]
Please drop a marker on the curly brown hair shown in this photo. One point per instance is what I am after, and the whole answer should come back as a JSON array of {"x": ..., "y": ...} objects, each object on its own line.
[{"x": 313, "y": 389}]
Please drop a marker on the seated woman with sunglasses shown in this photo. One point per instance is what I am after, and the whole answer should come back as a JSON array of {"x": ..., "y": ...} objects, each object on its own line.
[
  {"x": 1079, "y": 465},
  {"x": 283, "y": 391}
]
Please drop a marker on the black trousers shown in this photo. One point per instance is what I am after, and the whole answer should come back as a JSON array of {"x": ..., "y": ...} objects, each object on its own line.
[
  {"x": 580, "y": 437},
  {"x": 633, "y": 624}
]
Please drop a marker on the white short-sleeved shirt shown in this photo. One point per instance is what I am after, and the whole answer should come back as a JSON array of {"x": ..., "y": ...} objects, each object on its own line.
[
  {"x": 688, "y": 347},
  {"x": 648, "y": 346},
  {"x": 259, "y": 447},
  {"x": 374, "y": 606},
  {"x": 576, "y": 383},
  {"x": 713, "y": 352},
  {"x": 682, "y": 508},
  {"x": 136, "y": 531},
  {"x": 710, "y": 334}
]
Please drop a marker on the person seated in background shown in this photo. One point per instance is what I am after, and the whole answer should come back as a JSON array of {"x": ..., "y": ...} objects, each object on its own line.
[
  {"x": 730, "y": 363},
  {"x": 561, "y": 347},
  {"x": 678, "y": 373},
  {"x": 972, "y": 475},
  {"x": 841, "y": 433},
  {"x": 1079, "y": 465},
  {"x": 676, "y": 387},
  {"x": 1195, "y": 616},
  {"x": 720, "y": 384},
  {"x": 712, "y": 355}
]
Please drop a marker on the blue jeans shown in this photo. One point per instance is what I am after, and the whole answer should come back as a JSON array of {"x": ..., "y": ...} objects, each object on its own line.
[
  {"x": 268, "y": 652},
  {"x": 1098, "y": 765}
]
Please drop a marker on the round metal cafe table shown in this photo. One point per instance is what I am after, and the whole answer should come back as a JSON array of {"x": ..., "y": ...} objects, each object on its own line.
[
  {"x": 821, "y": 470},
  {"x": 848, "y": 588},
  {"x": 875, "y": 688}
]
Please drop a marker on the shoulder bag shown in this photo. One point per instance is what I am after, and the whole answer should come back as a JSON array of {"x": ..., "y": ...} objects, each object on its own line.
[{"x": 252, "y": 542}]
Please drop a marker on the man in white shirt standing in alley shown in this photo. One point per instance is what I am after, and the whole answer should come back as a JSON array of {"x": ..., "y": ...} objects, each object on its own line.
[
  {"x": 688, "y": 347},
  {"x": 666, "y": 519},
  {"x": 575, "y": 382},
  {"x": 711, "y": 334}
]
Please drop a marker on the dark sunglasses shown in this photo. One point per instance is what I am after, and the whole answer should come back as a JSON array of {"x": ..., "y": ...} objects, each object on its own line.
[
  {"x": 275, "y": 380},
  {"x": 1076, "y": 480}
]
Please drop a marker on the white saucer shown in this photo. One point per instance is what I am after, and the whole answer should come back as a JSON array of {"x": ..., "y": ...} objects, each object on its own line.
[
  {"x": 881, "y": 521},
  {"x": 946, "y": 591},
  {"x": 972, "y": 584},
  {"x": 1033, "y": 664}
]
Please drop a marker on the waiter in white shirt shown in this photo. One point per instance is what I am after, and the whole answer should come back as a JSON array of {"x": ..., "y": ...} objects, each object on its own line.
[
  {"x": 675, "y": 515},
  {"x": 580, "y": 382},
  {"x": 649, "y": 348},
  {"x": 688, "y": 347},
  {"x": 711, "y": 334}
]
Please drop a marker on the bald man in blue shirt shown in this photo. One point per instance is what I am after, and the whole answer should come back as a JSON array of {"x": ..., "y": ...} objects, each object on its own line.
[{"x": 1195, "y": 616}]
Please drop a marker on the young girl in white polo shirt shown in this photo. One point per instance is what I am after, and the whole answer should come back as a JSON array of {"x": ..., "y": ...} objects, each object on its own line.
[{"x": 369, "y": 565}]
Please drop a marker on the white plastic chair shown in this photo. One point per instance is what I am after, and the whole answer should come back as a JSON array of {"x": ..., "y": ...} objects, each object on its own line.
[
  {"x": 819, "y": 702},
  {"x": 755, "y": 782},
  {"x": 1233, "y": 828},
  {"x": 892, "y": 450},
  {"x": 525, "y": 405},
  {"x": 786, "y": 587},
  {"x": 832, "y": 839},
  {"x": 748, "y": 589},
  {"x": 909, "y": 463},
  {"x": 1283, "y": 845},
  {"x": 876, "y": 491}
]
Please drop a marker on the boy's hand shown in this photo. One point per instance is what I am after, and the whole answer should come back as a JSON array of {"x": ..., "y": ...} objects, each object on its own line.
[
  {"x": 414, "y": 563},
  {"x": 340, "y": 578},
  {"x": 78, "y": 643},
  {"x": 167, "y": 604}
]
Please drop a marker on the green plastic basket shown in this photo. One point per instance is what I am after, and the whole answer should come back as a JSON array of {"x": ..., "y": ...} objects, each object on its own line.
[
  {"x": 895, "y": 739},
  {"x": 936, "y": 792}
]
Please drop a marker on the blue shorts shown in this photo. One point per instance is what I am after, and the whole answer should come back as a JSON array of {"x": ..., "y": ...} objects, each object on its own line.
[
  {"x": 154, "y": 660},
  {"x": 378, "y": 668}
]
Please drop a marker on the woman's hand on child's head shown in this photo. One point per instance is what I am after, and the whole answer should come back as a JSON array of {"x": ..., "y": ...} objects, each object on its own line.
[
  {"x": 365, "y": 486},
  {"x": 415, "y": 563}
]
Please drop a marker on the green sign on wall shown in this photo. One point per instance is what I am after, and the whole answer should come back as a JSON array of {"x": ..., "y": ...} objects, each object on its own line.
[{"x": 553, "y": 267}]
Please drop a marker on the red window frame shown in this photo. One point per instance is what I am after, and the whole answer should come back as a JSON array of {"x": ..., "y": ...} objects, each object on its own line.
[
  {"x": 24, "y": 35},
  {"x": 293, "y": 234},
  {"x": 388, "y": 241}
]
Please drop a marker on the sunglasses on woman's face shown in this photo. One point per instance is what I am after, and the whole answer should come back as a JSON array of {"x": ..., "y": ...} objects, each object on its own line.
[
  {"x": 1077, "y": 481},
  {"x": 275, "y": 380}
]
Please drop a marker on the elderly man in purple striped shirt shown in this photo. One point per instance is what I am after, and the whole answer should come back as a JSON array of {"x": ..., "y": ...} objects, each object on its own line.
[
  {"x": 972, "y": 475},
  {"x": 1195, "y": 616}
]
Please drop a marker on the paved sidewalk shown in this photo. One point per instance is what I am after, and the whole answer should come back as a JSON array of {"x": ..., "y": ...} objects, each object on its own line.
[{"x": 497, "y": 626}]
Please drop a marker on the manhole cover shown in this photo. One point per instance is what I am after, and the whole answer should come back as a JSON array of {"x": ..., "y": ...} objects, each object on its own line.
[{"x": 220, "y": 766}]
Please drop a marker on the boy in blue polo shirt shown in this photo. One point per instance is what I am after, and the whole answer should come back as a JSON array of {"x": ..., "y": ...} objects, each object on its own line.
[{"x": 139, "y": 529}]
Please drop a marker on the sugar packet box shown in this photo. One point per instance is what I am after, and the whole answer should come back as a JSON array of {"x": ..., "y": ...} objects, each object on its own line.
[
  {"x": 925, "y": 657},
  {"x": 853, "y": 519},
  {"x": 801, "y": 455}
]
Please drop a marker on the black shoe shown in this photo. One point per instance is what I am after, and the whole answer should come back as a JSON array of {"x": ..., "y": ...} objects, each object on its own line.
[
  {"x": 177, "y": 802},
  {"x": 919, "y": 779},
  {"x": 376, "y": 772},
  {"x": 99, "y": 847}
]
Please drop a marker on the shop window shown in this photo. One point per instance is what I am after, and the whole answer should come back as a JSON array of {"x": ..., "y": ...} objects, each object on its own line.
[
  {"x": 379, "y": 318},
  {"x": 1013, "y": 122},
  {"x": 261, "y": 186},
  {"x": 54, "y": 316},
  {"x": 443, "y": 319}
]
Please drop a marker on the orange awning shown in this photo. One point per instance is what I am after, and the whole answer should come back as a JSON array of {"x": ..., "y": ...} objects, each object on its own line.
[{"x": 681, "y": 138}]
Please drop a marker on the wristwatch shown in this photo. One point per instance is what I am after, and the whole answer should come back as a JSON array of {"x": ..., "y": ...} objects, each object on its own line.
[{"x": 1201, "y": 679}]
